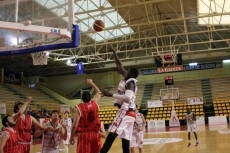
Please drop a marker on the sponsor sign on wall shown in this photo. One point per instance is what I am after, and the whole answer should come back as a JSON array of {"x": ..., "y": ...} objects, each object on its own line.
[
  {"x": 12, "y": 78},
  {"x": 217, "y": 120},
  {"x": 170, "y": 69},
  {"x": 154, "y": 103},
  {"x": 204, "y": 66},
  {"x": 64, "y": 108},
  {"x": 200, "y": 121},
  {"x": 195, "y": 101},
  {"x": 156, "y": 124},
  {"x": 2, "y": 108}
]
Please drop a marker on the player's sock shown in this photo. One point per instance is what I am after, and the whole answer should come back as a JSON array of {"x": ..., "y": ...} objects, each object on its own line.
[
  {"x": 125, "y": 146},
  {"x": 108, "y": 142}
]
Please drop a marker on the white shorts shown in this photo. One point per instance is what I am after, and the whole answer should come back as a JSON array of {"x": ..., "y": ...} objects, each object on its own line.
[
  {"x": 122, "y": 125},
  {"x": 66, "y": 142},
  {"x": 137, "y": 139},
  {"x": 192, "y": 127}
]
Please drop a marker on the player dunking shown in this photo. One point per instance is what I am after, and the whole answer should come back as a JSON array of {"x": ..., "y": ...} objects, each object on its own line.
[
  {"x": 68, "y": 123},
  {"x": 121, "y": 86},
  {"x": 191, "y": 124},
  {"x": 87, "y": 123},
  {"x": 138, "y": 132},
  {"x": 122, "y": 124},
  {"x": 24, "y": 126},
  {"x": 52, "y": 138}
]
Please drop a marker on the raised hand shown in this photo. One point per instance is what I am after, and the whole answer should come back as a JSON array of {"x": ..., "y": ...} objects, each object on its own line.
[
  {"x": 106, "y": 93},
  {"x": 110, "y": 47},
  {"x": 28, "y": 99},
  {"x": 89, "y": 81}
]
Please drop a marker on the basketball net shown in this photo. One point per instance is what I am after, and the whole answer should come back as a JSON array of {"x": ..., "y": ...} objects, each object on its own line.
[
  {"x": 39, "y": 58},
  {"x": 170, "y": 99}
]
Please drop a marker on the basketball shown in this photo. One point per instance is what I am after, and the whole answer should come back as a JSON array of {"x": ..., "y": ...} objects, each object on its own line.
[{"x": 98, "y": 25}]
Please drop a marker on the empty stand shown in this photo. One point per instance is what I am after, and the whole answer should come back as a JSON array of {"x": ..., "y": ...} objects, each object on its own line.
[
  {"x": 220, "y": 88},
  {"x": 221, "y": 107},
  {"x": 164, "y": 113},
  {"x": 41, "y": 100},
  {"x": 207, "y": 90}
]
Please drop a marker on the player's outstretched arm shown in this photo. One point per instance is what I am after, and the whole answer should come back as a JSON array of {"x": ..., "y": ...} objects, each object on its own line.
[
  {"x": 3, "y": 138},
  {"x": 36, "y": 123},
  {"x": 119, "y": 65},
  {"x": 22, "y": 109},
  {"x": 39, "y": 132},
  {"x": 97, "y": 96},
  {"x": 125, "y": 98},
  {"x": 74, "y": 127}
]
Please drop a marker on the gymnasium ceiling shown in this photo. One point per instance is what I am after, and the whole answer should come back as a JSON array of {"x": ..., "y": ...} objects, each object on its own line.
[{"x": 138, "y": 29}]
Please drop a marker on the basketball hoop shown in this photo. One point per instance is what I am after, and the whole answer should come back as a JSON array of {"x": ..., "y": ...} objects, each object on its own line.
[{"x": 39, "y": 58}]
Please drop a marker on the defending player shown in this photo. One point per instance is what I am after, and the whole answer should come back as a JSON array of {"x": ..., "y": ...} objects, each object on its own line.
[
  {"x": 24, "y": 126},
  {"x": 138, "y": 132},
  {"x": 9, "y": 137},
  {"x": 68, "y": 123},
  {"x": 87, "y": 123},
  {"x": 191, "y": 124},
  {"x": 52, "y": 138},
  {"x": 123, "y": 122}
]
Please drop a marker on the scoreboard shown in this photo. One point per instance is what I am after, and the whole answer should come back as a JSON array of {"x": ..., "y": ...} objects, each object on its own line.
[{"x": 168, "y": 80}]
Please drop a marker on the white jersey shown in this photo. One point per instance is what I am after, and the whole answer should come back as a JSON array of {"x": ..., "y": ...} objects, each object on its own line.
[
  {"x": 190, "y": 118},
  {"x": 122, "y": 88},
  {"x": 68, "y": 123},
  {"x": 51, "y": 140},
  {"x": 138, "y": 122}
]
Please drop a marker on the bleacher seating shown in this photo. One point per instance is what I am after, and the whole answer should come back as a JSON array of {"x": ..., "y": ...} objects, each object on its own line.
[
  {"x": 220, "y": 88},
  {"x": 164, "y": 113},
  {"x": 221, "y": 107},
  {"x": 12, "y": 93}
]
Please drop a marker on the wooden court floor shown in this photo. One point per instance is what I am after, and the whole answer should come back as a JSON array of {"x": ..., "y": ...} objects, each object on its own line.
[{"x": 212, "y": 139}]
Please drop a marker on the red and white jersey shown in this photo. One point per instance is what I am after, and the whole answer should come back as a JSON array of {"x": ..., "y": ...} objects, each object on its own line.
[
  {"x": 12, "y": 143},
  {"x": 51, "y": 140},
  {"x": 24, "y": 128},
  {"x": 122, "y": 84},
  {"x": 190, "y": 118},
  {"x": 121, "y": 90},
  {"x": 89, "y": 119},
  {"x": 138, "y": 122},
  {"x": 68, "y": 123}
]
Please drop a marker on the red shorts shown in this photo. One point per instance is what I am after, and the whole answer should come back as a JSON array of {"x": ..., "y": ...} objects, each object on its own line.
[
  {"x": 88, "y": 142},
  {"x": 24, "y": 148}
]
